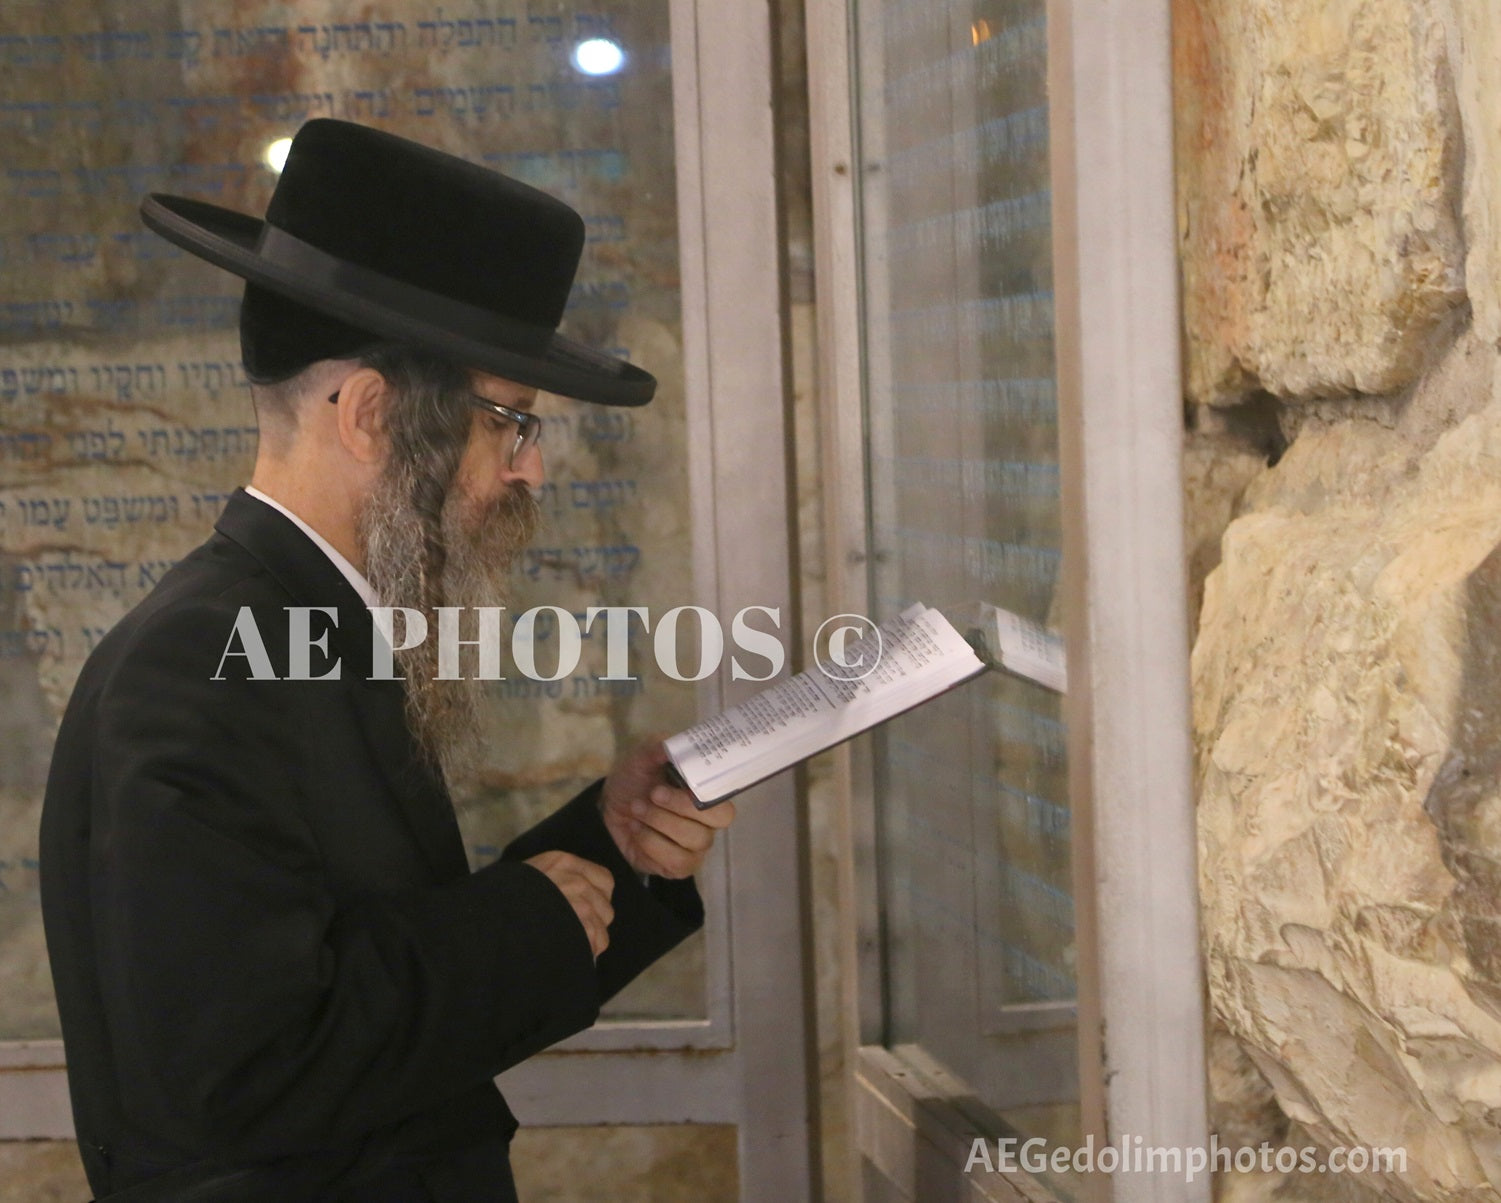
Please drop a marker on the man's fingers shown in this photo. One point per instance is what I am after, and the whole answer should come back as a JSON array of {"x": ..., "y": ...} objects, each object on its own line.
[
  {"x": 595, "y": 929},
  {"x": 719, "y": 816},
  {"x": 594, "y": 912},
  {"x": 598, "y": 937},
  {"x": 684, "y": 823},
  {"x": 694, "y": 836},
  {"x": 680, "y": 802},
  {"x": 597, "y": 876},
  {"x": 646, "y": 863},
  {"x": 671, "y": 858},
  {"x": 583, "y": 893},
  {"x": 587, "y": 888}
]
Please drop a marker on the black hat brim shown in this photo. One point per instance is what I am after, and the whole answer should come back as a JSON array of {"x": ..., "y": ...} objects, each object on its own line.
[{"x": 232, "y": 240}]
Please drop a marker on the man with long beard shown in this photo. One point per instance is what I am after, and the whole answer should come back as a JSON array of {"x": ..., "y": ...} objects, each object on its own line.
[{"x": 277, "y": 977}]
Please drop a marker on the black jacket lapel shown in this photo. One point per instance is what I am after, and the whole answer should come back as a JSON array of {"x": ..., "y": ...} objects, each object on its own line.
[{"x": 310, "y": 577}]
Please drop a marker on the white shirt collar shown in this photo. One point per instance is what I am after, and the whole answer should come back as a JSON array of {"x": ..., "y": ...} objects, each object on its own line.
[{"x": 351, "y": 574}]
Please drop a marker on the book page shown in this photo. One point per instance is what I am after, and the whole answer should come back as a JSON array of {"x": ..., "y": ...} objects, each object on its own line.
[
  {"x": 711, "y": 743},
  {"x": 1030, "y": 649},
  {"x": 917, "y": 656}
]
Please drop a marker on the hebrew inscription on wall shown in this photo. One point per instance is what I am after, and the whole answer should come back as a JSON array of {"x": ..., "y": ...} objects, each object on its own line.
[{"x": 125, "y": 418}]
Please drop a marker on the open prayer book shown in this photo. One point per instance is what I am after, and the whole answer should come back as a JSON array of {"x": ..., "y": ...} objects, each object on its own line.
[{"x": 912, "y": 659}]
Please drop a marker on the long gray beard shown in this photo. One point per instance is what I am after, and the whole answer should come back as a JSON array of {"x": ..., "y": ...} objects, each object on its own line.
[{"x": 479, "y": 548}]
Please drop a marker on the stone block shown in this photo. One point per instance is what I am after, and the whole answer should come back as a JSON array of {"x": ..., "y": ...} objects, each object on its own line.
[
  {"x": 1320, "y": 153},
  {"x": 1347, "y": 695}
]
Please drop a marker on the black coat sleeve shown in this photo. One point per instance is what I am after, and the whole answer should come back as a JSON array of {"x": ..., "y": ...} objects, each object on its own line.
[
  {"x": 649, "y": 918},
  {"x": 252, "y": 1013}
]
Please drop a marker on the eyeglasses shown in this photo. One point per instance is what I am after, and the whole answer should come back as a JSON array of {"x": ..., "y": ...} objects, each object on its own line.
[{"x": 528, "y": 425}]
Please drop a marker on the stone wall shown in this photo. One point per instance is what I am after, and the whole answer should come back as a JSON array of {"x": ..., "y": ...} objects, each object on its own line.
[
  {"x": 683, "y": 1163},
  {"x": 1340, "y": 216}
]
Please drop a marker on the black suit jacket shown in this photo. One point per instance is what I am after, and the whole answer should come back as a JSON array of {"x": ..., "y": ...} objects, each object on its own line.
[{"x": 267, "y": 945}]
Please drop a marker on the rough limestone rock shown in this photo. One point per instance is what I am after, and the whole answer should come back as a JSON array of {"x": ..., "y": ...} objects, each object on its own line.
[
  {"x": 1243, "y": 1109},
  {"x": 1347, "y": 711},
  {"x": 1320, "y": 171},
  {"x": 1216, "y": 472},
  {"x": 1478, "y": 84}
]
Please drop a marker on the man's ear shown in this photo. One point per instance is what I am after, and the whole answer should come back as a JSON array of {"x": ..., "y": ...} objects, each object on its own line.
[{"x": 362, "y": 415}]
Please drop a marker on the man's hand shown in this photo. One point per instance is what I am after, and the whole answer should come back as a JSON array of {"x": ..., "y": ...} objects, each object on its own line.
[
  {"x": 654, "y": 824},
  {"x": 587, "y": 887}
]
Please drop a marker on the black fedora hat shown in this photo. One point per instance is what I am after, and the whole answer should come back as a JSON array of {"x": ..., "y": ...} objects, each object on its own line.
[{"x": 413, "y": 245}]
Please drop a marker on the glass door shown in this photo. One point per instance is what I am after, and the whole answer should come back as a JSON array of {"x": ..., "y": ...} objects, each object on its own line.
[
  {"x": 994, "y": 188},
  {"x": 974, "y": 831}
]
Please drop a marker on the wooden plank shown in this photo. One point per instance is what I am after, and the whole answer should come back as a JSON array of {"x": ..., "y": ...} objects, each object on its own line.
[{"x": 915, "y": 1132}]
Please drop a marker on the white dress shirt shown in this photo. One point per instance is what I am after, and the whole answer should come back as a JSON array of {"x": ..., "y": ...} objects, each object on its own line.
[{"x": 351, "y": 574}]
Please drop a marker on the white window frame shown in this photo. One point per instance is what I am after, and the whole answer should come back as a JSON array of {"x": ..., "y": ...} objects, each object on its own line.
[{"x": 1140, "y": 977}]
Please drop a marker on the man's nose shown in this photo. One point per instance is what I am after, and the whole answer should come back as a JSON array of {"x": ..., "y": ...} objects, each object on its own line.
[{"x": 527, "y": 468}]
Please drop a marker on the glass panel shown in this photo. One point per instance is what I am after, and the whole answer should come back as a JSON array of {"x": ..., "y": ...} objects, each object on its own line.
[
  {"x": 963, "y": 466},
  {"x": 124, "y": 414}
]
